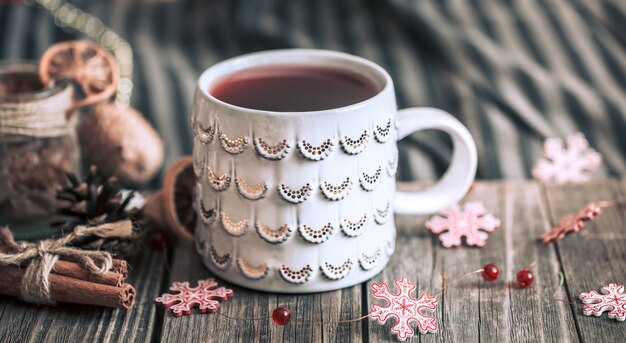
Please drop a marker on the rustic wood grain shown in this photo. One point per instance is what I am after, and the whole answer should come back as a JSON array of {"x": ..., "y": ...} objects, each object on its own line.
[
  {"x": 595, "y": 256},
  {"x": 22, "y": 322},
  {"x": 469, "y": 310},
  {"x": 309, "y": 310}
]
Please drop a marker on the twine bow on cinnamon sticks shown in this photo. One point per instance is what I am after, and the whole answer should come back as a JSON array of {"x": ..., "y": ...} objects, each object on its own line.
[{"x": 50, "y": 271}]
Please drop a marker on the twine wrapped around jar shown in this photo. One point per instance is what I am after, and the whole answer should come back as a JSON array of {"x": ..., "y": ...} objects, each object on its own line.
[{"x": 45, "y": 117}]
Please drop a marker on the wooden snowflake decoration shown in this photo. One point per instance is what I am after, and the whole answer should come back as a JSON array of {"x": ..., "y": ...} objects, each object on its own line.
[
  {"x": 467, "y": 223},
  {"x": 404, "y": 308},
  {"x": 206, "y": 296},
  {"x": 612, "y": 299},
  {"x": 571, "y": 161},
  {"x": 571, "y": 223}
]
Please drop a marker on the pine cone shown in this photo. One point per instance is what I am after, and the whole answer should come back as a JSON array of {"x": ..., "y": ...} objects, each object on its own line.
[{"x": 97, "y": 201}]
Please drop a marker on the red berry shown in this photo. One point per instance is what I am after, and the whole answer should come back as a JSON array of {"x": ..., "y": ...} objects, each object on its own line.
[
  {"x": 490, "y": 272},
  {"x": 281, "y": 316},
  {"x": 525, "y": 278}
]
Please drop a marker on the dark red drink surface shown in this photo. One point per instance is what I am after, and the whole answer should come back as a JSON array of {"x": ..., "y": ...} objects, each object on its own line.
[{"x": 294, "y": 88}]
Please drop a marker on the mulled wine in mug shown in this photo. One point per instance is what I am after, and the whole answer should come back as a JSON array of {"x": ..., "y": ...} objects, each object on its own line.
[{"x": 295, "y": 157}]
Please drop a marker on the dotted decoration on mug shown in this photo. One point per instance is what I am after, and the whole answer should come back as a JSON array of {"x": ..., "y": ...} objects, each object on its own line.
[
  {"x": 381, "y": 215},
  {"x": 252, "y": 272},
  {"x": 222, "y": 262},
  {"x": 220, "y": 183},
  {"x": 315, "y": 153},
  {"x": 382, "y": 133},
  {"x": 370, "y": 181},
  {"x": 296, "y": 276},
  {"x": 272, "y": 152},
  {"x": 273, "y": 236},
  {"x": 233, "y": 146},
  {"x": 316, "y": 236},
  {"x": 207, "y": 215},
  {"x": 354, "y": 228},
  {"x": 236, "y": 229},
  {"x": 205, "y": 135},
  {"x": 355, "y": 146},
  {"x": 295, "y": 196},
  {"x": 337, "y": 272},
  {"x": 336, "y": 192},
  {"x": 251, "y": 192},
  {"x": 369, "y": 261}
]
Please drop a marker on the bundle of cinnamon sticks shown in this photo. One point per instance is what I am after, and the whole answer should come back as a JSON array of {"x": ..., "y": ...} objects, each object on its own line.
[{"x": 70, "y": 282}]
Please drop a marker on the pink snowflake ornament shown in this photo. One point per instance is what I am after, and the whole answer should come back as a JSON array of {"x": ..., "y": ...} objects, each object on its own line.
[
  {"x": 404, "y": 308},
  {"x": 206, "y": 296},
  {"x": 612, "y": 299},
  {"x": 467, "y": 223},
  {"x": 571, "y": 161}
]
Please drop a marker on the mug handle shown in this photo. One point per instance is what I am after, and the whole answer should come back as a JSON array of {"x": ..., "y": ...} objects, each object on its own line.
[{"x": 460, "y": 174}]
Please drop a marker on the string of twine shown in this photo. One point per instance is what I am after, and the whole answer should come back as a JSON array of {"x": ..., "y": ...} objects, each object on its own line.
[
  {"x": 37, "y": 118},
  {"x": 42, "y": 255}
]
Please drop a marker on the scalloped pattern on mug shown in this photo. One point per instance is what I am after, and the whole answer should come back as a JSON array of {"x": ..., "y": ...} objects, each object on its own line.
[
  {"x": 382, "y": 133},
  {"x": 296, "y": 276},
  {"x": 273, "y": 236},
  {"x": 315, "y": 153},
  {"x": 295, "y": 196},
  {"x": 218, "y": 183},
  {"x": 337, "y": 272},
  {"x": 354, "y": 228},
  {"x": 381, "y": 215},
  {"x": 205, "y": 135},
  {"x": 369, "y": 261},
  {"x": 316, "y": 236},
  {"x": 252, "y": 272},
  {"x": 233, "y": 146},
  {"x": 392, "y": 166},
  {"x": 336, "y": 192},
  {"x": 369, "y": 182},
  {"x": 355, "y": 146},
  {"x": 234, "y": 228},
  {"x": 207, "y": 216},
  {"x": 272, "y": 152},
  {"x": 221, "y": 262},
  {"x": 248, "y": 191}
]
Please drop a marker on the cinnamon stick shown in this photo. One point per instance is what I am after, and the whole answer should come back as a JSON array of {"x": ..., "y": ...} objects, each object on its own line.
[
  {"x": 75, "y": 270},
  {"x": 70, "y": 290}
]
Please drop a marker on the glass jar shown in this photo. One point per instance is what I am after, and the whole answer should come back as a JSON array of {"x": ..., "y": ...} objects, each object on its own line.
[{"x": 38, "y": 144}]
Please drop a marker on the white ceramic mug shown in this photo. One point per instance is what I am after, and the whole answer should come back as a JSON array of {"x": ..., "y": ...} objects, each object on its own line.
[{"x": 304, "y": 202}]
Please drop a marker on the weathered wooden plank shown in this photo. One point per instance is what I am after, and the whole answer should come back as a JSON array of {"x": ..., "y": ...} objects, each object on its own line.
[
  {"x": 595, "y": 256},
  {"x": 21, "y": 322},
  {"x": 309, "y": 310},
  {"x": 534, "y": 317}
]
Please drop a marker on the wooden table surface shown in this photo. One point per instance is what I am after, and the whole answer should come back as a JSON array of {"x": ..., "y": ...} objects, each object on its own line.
[{"x": 470, "y": 310}]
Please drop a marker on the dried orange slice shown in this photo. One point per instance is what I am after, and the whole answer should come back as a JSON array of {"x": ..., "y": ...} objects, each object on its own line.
[
  {"x": 177, "y": 198},
  {"x": 88, "y": 64}
]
